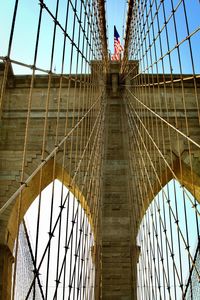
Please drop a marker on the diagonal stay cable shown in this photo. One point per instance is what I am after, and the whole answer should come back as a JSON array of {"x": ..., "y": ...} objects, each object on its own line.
[
  {"x": 55, "y": 150},
  {"x": 61, "y": 209},
  {"x": 32, "y": 257},
  {"x": 163, "y": 120}
]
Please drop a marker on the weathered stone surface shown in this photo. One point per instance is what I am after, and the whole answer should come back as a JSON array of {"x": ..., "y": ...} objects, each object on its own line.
[
  {"x": 116, "y": 243},
  {"x": 120, "y": 217}
]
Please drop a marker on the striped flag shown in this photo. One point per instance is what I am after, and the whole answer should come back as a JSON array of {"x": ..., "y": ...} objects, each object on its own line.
[{"x": 117, "y": 46}]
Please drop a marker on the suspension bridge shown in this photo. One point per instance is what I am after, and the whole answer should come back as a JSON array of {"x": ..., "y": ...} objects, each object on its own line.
[{"x": 99, "y": 159}]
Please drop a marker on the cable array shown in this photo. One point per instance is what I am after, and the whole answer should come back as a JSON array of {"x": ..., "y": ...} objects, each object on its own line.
[
  {"x": 66, "y": 89},
  {"x": 53, "y": 118},
  {"x": 161, "y": 94}
]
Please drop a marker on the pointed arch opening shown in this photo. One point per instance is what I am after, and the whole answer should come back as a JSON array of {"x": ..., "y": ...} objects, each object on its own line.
[
  {"x": 168, "y": 237},
  {"x": 55, "y": 248}
]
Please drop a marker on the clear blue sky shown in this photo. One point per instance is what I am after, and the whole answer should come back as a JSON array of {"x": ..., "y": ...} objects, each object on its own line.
[
  {"x": 116, "y": 15},
  {"x": 26, "y": 26},
  {"x": 116, "y": 10}
]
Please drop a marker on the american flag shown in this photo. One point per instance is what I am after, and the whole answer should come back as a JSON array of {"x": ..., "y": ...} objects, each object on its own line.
[{"x": 117, "y": 46}]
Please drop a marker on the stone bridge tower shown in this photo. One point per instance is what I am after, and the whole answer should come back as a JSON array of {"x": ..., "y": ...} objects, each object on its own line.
[
  {"x": 115, "y": 241},
  {"x": 122, "y": 136}
]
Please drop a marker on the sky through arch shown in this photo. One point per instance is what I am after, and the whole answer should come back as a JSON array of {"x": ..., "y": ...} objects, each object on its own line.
[
  {"x": 168, "y": 234},
  {"x": 69, "y": 252}
]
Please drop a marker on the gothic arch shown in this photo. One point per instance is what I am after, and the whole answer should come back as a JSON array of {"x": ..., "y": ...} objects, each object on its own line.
[
  {"x": 31, "y": 192},
  {"x": 188, "y": 179},
  {"x": 168, "y": 237}
]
